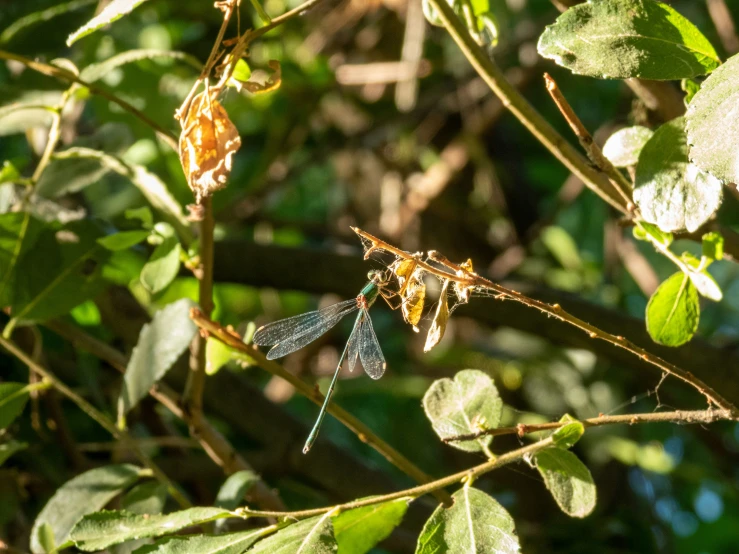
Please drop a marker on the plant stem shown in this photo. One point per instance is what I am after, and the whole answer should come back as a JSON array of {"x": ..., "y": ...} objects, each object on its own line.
[
  {"x": 473, "y": 281},
  {"x": 617, "y": 179},
  {"x": 104, "y": 421},
  {"x": 525, "y": 112},
  {"x": 678, "y": 416},
  {"x": 218, "y": 448},
  {"x": 364, "y": 433}
]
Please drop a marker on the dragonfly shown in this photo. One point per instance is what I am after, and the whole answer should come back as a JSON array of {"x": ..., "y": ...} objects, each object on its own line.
[{"x": 293, "y": 333}]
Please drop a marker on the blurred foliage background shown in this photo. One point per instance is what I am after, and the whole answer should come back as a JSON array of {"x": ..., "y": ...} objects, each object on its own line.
[{"x": 381, "y": 123}]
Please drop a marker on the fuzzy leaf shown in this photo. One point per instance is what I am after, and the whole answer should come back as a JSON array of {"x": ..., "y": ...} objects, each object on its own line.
[
  {"x": 673, "y": 311},
  {"x": 464, "y": 405},
  {"x": 230, "y": 543},
  {"x": 309, "y": 536},
  {"x": 123, "y": 240},
  {"x": 103, "y": 529},
  {"x": 713, "y": 246},
  {"x": 475, "y": 524},
  {"x": 13, "y": 397},
  {"x": 163, "y": 266},
  {"x": 233, "y": 490},
  {"x": 620, "y": 39},
  {"x": 671, "y": 192},
  {"x": 95, "y": 71},
  {"x": 161, "y": 342},
  {"x": 146, "y": 498},
  {"x": 567, "y": 435},
  {"x": 623, "y": 147},
  {"x": 706, "y": 285},
  {"x": 81, "y": 495},
  {"x": 568, "y": 480},
  {"x": 712, "y": 125}
]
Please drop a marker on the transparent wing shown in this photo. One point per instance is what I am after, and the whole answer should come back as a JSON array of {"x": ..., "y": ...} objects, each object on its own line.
[
  {"x": 353, "y": 352},
  {"x": 275, "y": 332},
  {"x": 289, "y": 335},
  {"x": 369, "y": 349}
]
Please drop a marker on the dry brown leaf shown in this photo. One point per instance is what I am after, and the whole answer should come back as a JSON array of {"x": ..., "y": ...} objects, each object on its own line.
[
  {"x": 413, "y": 300},
  {"x": 464, "y": 291},
  {"x": 436, "y": 332},
  {"x": 208, "y": 143},
  {"x": 273, "y": 83}
]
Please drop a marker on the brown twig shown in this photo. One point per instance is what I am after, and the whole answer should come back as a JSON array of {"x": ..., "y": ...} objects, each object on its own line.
[
  {"x": 364, "y": 433},
  {"x": 678, "y": 416},
  {"x": 721, "y": 17},
  {"x": 211, "y": 440},
  {"x": 466, "y": 279},
  {"x": 617, "y": 179}
]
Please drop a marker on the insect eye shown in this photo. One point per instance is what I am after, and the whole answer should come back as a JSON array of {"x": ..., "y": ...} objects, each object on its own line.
[{"x": 372, "y": 275}]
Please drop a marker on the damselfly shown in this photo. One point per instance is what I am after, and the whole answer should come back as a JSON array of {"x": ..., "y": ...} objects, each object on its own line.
[{"x": 293, "y": 333}]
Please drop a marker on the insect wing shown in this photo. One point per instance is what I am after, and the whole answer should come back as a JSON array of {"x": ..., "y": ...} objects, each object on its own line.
[
  {"x": 277, "y": 331},
  {"x": 353, "y": 343},
  {"x": 369, "y": 349}
]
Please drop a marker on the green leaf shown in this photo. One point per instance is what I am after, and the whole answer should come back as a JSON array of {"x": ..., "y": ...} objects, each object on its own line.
[
  {"x": 9, "y": 173},
  {"x": 100, "y": 530},
  {"x": 145, "y": 498},
  {"x": 690, "y": 87},
  {"x": 62, "y": 270},
  {"x": 13, "y": 397},
  {"x": 46, "y": 538},
  {"x": 713, "y": 129},
  {"x": 161, "y": 342},
  {"x": 358, "y": 530},
  {"x": 646, "y": 231},
  {"x": 32, "y": 19},
  {"x": 475, "y": 523},
  {"x": 123, "y": 240},
  {"x": 95, "y": 71},
  {"x": 620, "y": 39},
  {"x": 112, "y": 12},
  {"x": 568, "y": 480},
  {"x": 231, "y": 543},
  {"x": 7, "y": 449},
  {"x": 81, "y": 495},
  {"x": 65, "y": 175},
  {"x": 309, "y": 536},
  {"x": 163, "y": 266},
  {"x": 143, "y": 214},
  {"x": 29, "y": 109},
  {"x": 623, "y": 147},
  {"x": 673, "y": 311},
  {"x": 242, "y": 71},
  {"x": 713, "y": 246},
  {"x": 567, "y": 435},
  {"x": 217, "y": 354},
  {"x": 232, "y": 492},
  {"x": 466, "y": 405},
  {"x": 706, "y": 285},
  {"x": 18, "y": 233},
  {"x": 671, "y": 192}
]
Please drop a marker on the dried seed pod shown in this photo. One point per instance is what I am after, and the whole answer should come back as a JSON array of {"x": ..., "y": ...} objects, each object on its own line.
[
  {"x": 462, "y": 291},
  {"x": 208, "y": 143},
  {"x": 436, "y": 332}
]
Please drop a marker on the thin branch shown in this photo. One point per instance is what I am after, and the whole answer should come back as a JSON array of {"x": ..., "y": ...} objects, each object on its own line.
[
  {"x": 617, "y": 179},
  {"x": 525, "y": 112},
  {"x": 473, "y": 281},
  {"x": 721, "y": 16},
  {"x": 99, "y": 417},
  {"x": 679, "y": 416},
  {"x": 364, "y": 433},
  {"x": 414, "y": 492},
  {"x": 63, "y": 74}
]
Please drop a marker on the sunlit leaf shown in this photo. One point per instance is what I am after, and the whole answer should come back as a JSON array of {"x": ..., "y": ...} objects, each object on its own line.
[
  {"x": 229, "y": 543},
  {"x": 27, "y": 21},
  {"x": 476, "y": 524},
  {"x": 646, "y": 231},
  {"x": 467, "y": 404},
  {"x": 673, "y": 311},
  {"x": 413, "y": 301},
  {"x": 123, "y": 240},
  {"x": 623, "y": 147},
  {"x": 314, "y": 536},
  {"x": 690, "y": 87},
  {"x": 101, "y": 530},
  {"x": 567, "y": 435},
  {"x": 217, "y": 354},
  {"x": 713, "y": 129},
  {"x": 112, "y": 12},
  {"x": 671, "y": 192},
  {"x": 163, "y": 266},
  {"x": 620, "y": 39},
  {"x": 360, "y": 529},
  {"x": 713, "y": 246},
  {"x": 160, "y": 343},
  {"x": 232, "y": 492},
  {"x": 569, "y": 481},
  {"x": 95, "y": 71},
  {"x": 706, "y": 285},
  {"x": 88, "y": 492}
]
